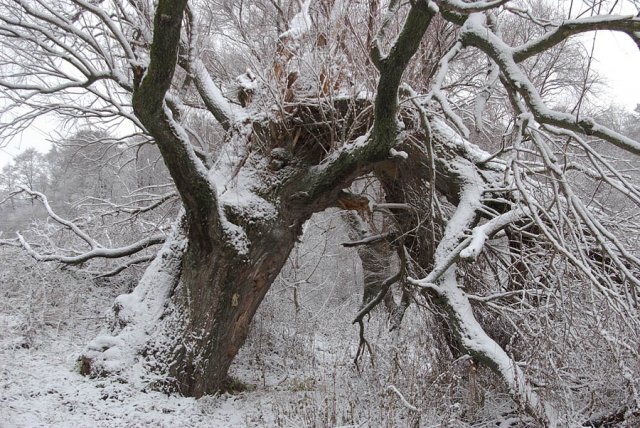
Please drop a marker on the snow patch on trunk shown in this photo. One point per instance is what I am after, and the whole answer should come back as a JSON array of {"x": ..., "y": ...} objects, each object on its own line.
[
  {"x": 237, "y": 183},
  {"x": 300, "y": 24},
  {"x": 136, "y": 314}
]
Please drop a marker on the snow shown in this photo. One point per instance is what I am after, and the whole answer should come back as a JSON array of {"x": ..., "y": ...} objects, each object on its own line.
[
  {"x": 466, "y": 212},
  {"x": 398, "y": 154},
  {"x": 360, "y": 142},
  {"x": 503, "y": 55},
  {"x": 298, "y": 361},
  {"x": 479, "y": 234},
  {"x": 137, "y": 312},
  {"x": 476, "y": 340},
  {"x": 237, "y": 190},
  {"x": 248, "y": 81},
  {"x": 441, "y": 130},
  {"x": 300, "y": 23},
  {"x": 444, "y": 278},
  {"x": 211, "y": 94},
  {"x": 472, "y": 335}
]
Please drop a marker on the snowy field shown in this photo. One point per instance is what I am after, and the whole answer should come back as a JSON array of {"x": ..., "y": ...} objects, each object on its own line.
[{"x": 297, "y": 365}]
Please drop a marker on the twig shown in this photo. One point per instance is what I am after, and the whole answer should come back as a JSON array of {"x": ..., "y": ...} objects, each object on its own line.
[{"x": 402, "y": 399}]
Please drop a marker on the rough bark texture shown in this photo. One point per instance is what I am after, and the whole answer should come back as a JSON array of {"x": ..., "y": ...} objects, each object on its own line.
[{"x": 216, "y": 298}]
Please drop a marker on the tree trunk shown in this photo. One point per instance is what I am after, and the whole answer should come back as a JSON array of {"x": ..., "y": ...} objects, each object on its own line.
[
  {"x": 187, "y": 319},
  {"x": 218, "y": 295}
]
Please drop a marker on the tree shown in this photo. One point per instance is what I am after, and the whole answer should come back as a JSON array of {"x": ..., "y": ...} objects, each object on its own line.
[
  {"x": 334, "y": 97},
  {"x": 30, "y": 169},
  {"x": 9, "y": 181}
]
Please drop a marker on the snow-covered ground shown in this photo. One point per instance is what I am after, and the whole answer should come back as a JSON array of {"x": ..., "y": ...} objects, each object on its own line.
[
  {"x": 297, "y": 363},
  {"x": 47, "y": 316}
]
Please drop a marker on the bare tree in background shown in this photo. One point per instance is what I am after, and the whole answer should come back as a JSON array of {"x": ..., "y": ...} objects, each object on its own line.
[{"x": 327, "y": 92}]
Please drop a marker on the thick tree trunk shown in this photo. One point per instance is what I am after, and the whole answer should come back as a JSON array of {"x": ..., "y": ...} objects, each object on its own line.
[
  {"x": 218, "y": 295},
  {"x": 187, "y": 319},
  {"x": 243, "y": 215}
]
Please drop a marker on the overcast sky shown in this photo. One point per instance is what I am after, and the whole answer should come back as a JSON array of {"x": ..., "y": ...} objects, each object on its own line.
[{"x": 618, "y": 59}]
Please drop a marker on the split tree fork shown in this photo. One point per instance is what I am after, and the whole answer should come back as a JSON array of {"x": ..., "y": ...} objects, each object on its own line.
[{"x": 242, "y": 212}]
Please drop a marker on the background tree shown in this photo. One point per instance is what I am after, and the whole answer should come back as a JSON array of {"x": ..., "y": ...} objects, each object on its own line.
[
  {"x": 30, "y": 170},
  {"x": 487, "y": 241}
]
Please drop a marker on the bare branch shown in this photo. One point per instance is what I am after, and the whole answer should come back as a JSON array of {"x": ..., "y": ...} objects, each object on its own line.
[
  {"x": 106, "y": 253},
  {"x": 623, "y": 23},
  {"x": 476, "y": 6},
  {"x": 187, "y": 170},
  {"x": 66, "y": 223},
  {"x": 369, "y": 240},
  {"x": 475, "y": 33}
]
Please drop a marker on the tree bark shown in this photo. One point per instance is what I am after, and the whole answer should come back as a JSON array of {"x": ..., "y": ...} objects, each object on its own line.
[
  {"x": 191, "y": 312},
  {"x": 215, "y": 300}
]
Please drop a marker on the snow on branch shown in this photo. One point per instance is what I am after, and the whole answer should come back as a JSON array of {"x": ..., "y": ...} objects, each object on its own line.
[
  {"x": 405, "y": 45},
  {"x": 109, "y": 23},
  {"x": 127, "y": 264},
  {"x": 300, "y": 24},
  {"x": 369, "y": 240},
  {"x": 443, "y": 278},
  {"x": 479, "y": 234},
  {"x": 106, "y": 253},
  {"x": 607, "y": 241},
  {"x": 475, "y": 33},
  {"x": 189, "y": 174},
  {"x": 66, "y": 223},
  {"x": 211, "y": 95},
  {"x": 46, "y": 57},
  {"x": 95, "y": 249},
  {"x": 133, "y": 207},
  {"x": 476, "y": 6},
  {"x": 392, "y": 67},
  {"x": 472, "y": 336},
  {"x": 539, "y": 214},
  {"x": 628, "y": 24},
  {"x": 376, "y": 49},
  {"x": 436, "y": 88},
  {"x": 454, "y": 240},
  {"x": 404, "y": 401}
]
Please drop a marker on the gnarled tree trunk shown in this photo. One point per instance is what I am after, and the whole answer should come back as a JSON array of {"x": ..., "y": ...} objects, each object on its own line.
[
  {"x": 214, "y": 301},
  {"x": 242, "y": 215}
]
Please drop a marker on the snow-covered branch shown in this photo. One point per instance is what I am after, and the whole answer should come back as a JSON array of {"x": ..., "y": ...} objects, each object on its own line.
[
  {"x": 475, "y": 33},
  {"x": 96, "y": 250},
  {"x": 100, "y": 252},
  {"x": 66, "y": 223},
  {"x": 186, "y": 169},
  {"x": 470, "y": 7},
  {"x": 628, "y": 24},
  {"x": 479, "y": 234},
  {"x": 211, "y": 95}
]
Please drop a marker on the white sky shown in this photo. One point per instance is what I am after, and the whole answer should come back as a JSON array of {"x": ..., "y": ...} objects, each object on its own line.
[
  {"x": 617, "y": 58},
  {"x": 36, "y": 136}
]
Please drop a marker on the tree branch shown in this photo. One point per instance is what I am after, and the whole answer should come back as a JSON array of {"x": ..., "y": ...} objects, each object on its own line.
[
  {"x": 355, "y": 158},
  {"x": 392, "y": 67},
  {"x": 105, "y": 253},
  {"x": 369, "y": 240},
  {"x": 475, "y": 33},
  {"x": 624, "y": 23},
  {"x": 187, "y": 171},
  {"x": 210, "y": 93},
  {"x": 66, "y": 223}
]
